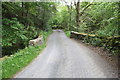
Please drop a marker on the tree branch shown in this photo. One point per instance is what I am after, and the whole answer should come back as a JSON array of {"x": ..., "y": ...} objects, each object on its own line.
[
  {"x": 85, "y": 9},
  {"x": 67, "y": 5}
]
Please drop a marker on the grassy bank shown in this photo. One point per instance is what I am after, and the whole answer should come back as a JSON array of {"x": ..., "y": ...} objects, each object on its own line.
[{"x": 14, "y": 63}]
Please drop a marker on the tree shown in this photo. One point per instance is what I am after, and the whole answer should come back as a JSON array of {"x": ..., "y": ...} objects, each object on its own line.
[{"x": 22, "y": 21}]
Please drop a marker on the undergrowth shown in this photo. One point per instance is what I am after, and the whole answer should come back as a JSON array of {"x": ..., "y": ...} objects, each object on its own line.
[{"x": 14, "y": 63}]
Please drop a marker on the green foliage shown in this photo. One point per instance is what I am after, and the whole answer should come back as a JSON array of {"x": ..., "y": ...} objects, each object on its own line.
[
  {"x": 15, "y": 35},
  {"x": 67, "y": 33},
  {"x": 22, "y": 21},
  {"x": 45, "y": 34},
  {"x": 61, "y": 19},
  {"x": 101, "y": 18},
  {"x": 14, "y": 63},
  {"x": 29, "y": 13}
]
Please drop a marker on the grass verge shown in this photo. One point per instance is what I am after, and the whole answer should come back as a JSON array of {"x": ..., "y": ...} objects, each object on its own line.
[
  {"x": 14, "y": 63},
  {"x": 67, "y": 33}
]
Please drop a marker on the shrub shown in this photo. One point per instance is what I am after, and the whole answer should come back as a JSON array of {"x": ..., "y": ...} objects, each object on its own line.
[{"x": 15, "y": 36}]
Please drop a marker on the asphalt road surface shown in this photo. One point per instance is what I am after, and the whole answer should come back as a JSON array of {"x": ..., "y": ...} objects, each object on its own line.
[{"x": 65, "y": 58}]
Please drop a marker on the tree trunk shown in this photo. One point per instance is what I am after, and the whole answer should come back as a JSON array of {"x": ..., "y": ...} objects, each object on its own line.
[
  {"x": 69, "y": 7},
  {"x": 43, "y": 17},
  {"x": 78, "y": 14},
  {"x": 22, "y": 13},
  {"x": 22, "y": 9},
  {"x": 27, "y": 18},
  {"x": 70, "y": 12}
]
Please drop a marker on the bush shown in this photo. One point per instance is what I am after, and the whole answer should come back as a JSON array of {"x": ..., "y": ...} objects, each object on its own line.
[
  {"x": 15, "y": 36},
  {"x": 67, "y": 33}
]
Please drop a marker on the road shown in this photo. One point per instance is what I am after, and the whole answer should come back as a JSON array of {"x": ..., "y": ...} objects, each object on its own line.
[{"x": 65, "y": 58}]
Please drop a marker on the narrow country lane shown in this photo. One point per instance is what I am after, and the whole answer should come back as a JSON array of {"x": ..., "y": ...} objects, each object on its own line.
[{"x": 64, "y": 58}]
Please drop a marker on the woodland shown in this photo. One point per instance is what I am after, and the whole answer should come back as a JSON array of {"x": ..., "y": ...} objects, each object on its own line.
[
  {"x": 93, "y": 23},
  {"x": 23, "y": 21}
]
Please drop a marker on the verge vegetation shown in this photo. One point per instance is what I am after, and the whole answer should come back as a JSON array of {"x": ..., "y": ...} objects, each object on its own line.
[{"x": 14, "y": 63}]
